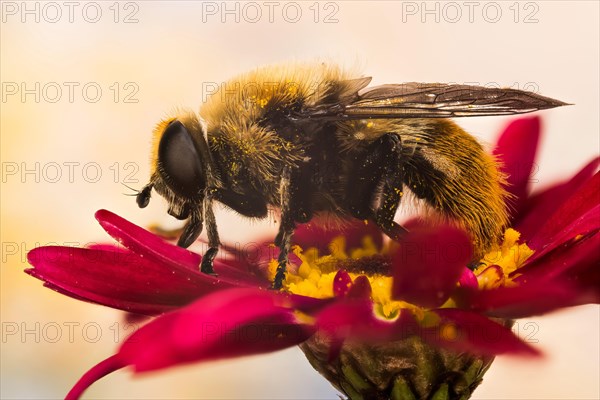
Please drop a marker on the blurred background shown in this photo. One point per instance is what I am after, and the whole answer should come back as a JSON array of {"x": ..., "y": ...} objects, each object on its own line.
[{"x": 83, "y": 84}]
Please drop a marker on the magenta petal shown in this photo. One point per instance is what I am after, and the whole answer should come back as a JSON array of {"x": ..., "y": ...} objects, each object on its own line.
[
  {"x": 541, "y": 205},
  {"x": 254, "y": 258},
  {"x": 148, "y": 245},
  {"x": 469, "y": 332},
  {"x": 341, "y": 283},
  {"x": 571, "y": 214},
  {"x": 141, "y": 309},
  {"x": 525, "y": 300},
  {"x": 516, "y": 149},
  {"x": 468, "y": 279},
  {"x": 494, "y": 275},
  {"x": 353, "y": 319},
  {"x": 142, "y": 242},
  {"x": 107, "y": 247},
  {"x": 361, "y": 288},
  {"x": 239, "y": 274},
  {"x": 583, "y": 226},
  {"x": 227, "y": 323},
  {"x": 313, "y": 235},
  {"x": 575, "y": 263},
  {"x": 120, "y": 279},
  {"x": 428, "y": 264}
]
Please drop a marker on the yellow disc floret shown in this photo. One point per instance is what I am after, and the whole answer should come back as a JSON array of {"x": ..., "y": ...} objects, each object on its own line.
[
  {"x": 498, "y": 264},
  {"x": 315, "y": 275}
]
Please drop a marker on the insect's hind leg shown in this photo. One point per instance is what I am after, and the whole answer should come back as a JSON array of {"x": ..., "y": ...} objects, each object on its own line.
[
  {"x": 392, "y": 191},
  {"x": 363, "y": 186},
  {"x": 376, "y": 189},
  {"x": 390, "y": 200}
]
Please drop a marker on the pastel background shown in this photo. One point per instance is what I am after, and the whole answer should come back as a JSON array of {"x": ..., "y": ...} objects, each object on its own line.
[{"x": 86, "y": 144}]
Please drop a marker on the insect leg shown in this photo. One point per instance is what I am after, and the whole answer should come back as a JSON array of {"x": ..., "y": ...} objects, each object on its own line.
[
  {"x": 191, "y": 230},
  {"x": 392, "y": 191},
  {"x": 375, "y": 190},
  {"x": 286, "y": 230},
  {"x": 213, "y": 237},
  {"x": 365, "y": 177},
  {"x": 372, "y": 168},
  {"x": 249, "y": 204},
  {"x": 391, "y": 194},
  {"x": 301, "y": 188}
]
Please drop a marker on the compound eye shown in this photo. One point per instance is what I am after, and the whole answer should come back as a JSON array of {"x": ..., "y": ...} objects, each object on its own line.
[{"x": 180, "y": 162}]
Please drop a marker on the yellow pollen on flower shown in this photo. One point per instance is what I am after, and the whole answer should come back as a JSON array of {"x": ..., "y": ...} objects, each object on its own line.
[
  {"x": 315, "y": 276},
  {"x": 449, "y": 332},
  {"x": 498, "y": 264},
  {"x": 428, "y": 319},
  {"x": 337, "y": 247},
  {"x": 368, "y": 249}
]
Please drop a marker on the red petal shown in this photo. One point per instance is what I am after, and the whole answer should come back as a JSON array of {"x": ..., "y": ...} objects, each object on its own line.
[
  {"x": 142, "y": 309},
  {"x": 314, "y": 235},
  {"x": 121, "y": 279},
  {"x": 142, "y": 242},
  {"x": 254, "y": 258},
  {"x": 216, "y": 326},
  {"x": 238, "y": 273},
  {"x": 525, "y": 300},
  {"x": 574, "y": 263},
  {"x": 468, "y": 279},
  {"x": 583, "y": 226},
  {"x": 361, "y": 288},
  {"x": 231, "y": 267},
  {"x": 571, "y": 219},
  {"x": 341, "y": 283},
  {"x": 458, "y": 330},
  {"x": 428, "y": 264},
  {"x": 228, "y": 323},
  {"x": 541, "y": 205},
  {"x": 516, "y": 148},
  {"x": 469, "y": 332},
  {"x": 106, "y": 247},
  {"x": 354, "y": 319}
]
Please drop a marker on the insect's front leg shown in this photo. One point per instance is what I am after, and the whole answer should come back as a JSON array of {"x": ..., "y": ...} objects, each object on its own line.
[
  {"x": 213, "y": 236},
  {"x": 191, "y": 230},
  {"x": 286, "y": 229}
]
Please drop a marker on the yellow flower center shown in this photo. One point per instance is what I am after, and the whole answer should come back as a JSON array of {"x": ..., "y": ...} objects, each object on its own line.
[
  {"x": 509, "y": 257},
  {"x": 315, "y": 275}
]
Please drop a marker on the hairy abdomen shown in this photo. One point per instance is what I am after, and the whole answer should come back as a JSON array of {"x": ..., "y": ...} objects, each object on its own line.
[{"x": 453, "y": 174}]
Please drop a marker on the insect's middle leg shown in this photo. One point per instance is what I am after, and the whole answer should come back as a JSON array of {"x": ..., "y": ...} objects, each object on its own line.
[
  {"x": 375, "y": 190},
  {"x": 286, "y": 229}
]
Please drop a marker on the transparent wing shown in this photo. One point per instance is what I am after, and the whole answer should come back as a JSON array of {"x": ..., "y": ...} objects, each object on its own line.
[{"x": 433, "y": 100}]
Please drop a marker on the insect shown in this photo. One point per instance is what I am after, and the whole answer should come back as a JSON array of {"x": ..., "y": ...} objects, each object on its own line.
[{"x": 312, "y": 139}]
